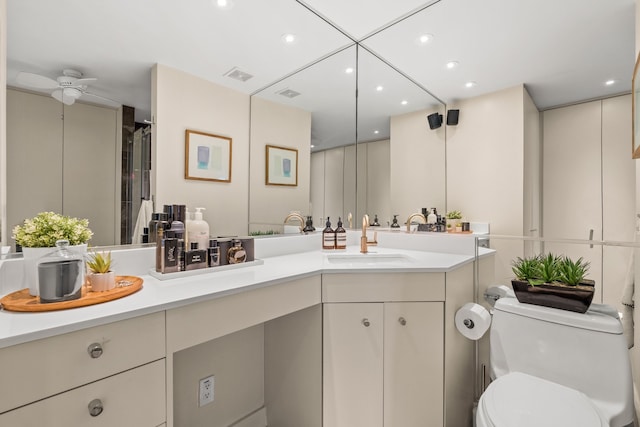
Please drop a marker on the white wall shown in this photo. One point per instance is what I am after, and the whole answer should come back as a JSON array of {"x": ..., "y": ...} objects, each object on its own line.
[
  {"x": 181, "y": 101},
  {"x": 276, "y": 124},
  {"x": 485, "y": 168},
  {"x": 417, "y": 167}
]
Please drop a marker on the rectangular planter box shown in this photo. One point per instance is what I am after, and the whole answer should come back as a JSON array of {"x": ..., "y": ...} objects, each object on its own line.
[{"x": 572, "y": 298}]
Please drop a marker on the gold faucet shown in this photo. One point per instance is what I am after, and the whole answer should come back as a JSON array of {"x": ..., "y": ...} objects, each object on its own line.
[
  {"x": 298, "y": 217},
  {"x": 412, "y": 216},
  {"x": 364, "y": 242}
]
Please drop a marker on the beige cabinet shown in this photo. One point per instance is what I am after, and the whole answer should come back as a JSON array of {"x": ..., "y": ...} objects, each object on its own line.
[
  {"x": 383, "y": 349},
  {"x": 121, "y": 364},
  {"x": 383, "y": 364}
]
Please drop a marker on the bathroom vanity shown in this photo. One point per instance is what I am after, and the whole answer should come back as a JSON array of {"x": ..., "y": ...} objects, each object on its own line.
[{"x": 310, "y": 337}]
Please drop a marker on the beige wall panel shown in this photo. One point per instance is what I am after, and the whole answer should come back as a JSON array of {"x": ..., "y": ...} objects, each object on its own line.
[
  {"x": 334, "y": 182},
  {"x": 282, "y": 126},
  {"x": 532, "y": 212},
  {"x": 378, "y": 183},
  {"x": 89, "y": 176},
  {"x": 618, "y": 191},
  {"x": 34, "y": 143},
  {"x": 317, "y": 188},
  {"x": 182, "y": 101},
  {"x": 293, "y": 369},
  {"x": 237, "y": 363},
  {"x": 417, "y": 170},
  {"x": 572, "y": 182}
]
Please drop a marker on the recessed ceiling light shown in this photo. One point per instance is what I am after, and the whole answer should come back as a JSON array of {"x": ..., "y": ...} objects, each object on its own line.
[
  {"x": 313, "y": 146},
  {"x": 379, "y": 88},
  {"x": 376, "y": 132},
  {"x": 349, "y": 70},
  {"x": 404, "y": 102},
  {"x": 609, "y": 82},
  {"x": 289, "y": 38},
  {"x": 223, "y": 4},
  {"x": 452, "y": 64},
  {"x": 470, "y": 84},
  {"x": 425, "y": 38}
]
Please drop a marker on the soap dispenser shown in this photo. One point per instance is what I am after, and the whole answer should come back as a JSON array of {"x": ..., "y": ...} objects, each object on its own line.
[
  {"x": 198, "y": 230},
  {"x": 341, "y": 236},
  {"x": 432, "y": 218},
  {"x": 328, "y": 236}
]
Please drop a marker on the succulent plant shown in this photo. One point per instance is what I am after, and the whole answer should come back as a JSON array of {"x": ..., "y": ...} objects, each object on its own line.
[
  {"x": 527, "y": 269},
  {"x": 572, "y": 272},
  {"x": 99, "y": 262}
]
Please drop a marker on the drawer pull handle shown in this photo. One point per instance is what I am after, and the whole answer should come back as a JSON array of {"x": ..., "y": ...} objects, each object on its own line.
[
  {"x": 402, "y": 321},
  {"x": 95, "y": 407},
  {"x": 95, "y": 350},
  {"x": 366, "y": 322}
]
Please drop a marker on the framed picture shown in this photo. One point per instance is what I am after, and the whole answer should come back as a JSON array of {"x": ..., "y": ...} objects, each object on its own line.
[
  {"x": 207, "y": 157},
  {"x": 282, "y": 166}
]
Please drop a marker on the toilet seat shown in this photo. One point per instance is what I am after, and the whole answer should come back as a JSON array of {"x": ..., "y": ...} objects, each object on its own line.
[{"x": 522, "y": 400}]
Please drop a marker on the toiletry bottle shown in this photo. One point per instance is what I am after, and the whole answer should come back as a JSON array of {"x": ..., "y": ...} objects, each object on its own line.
[
  {"x": 198, "y": 230},
  {"x": 181, "y": 255},
  {"x": 237, "y": 253},
  {"x": 341, "y": 236},
  {"x": 432, "y": 218},
  {"x": 153, "y": 226},
  {"x": 159, "y": 246},
  {"x": 328, "y": 237},
  {"x": 195, "y": 258},
  {"x": 213, "y": 253},
  {"x": 177, "y": 227},
  {"x": 169, "y": 249}
]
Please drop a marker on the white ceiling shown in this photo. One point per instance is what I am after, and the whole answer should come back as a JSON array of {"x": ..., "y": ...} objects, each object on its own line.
[{"x": 563, "y": 51}]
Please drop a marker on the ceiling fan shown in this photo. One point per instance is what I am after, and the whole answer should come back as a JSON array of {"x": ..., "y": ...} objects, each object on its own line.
[{"x": 67, "y": 88}]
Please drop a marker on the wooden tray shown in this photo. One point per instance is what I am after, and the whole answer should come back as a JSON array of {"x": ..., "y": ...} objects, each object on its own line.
[
  {"x": 459, "y": 232},
  {"x": 22, "y": 301}
]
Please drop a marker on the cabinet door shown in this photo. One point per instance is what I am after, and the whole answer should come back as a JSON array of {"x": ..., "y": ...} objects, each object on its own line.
[
  {"x": 413, "y": 364},
  {"x": 353, "y": 365}
]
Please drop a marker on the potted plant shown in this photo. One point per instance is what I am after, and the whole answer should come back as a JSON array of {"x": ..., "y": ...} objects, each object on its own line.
[
  {"x": 553, "y": 281},
  {"x": 101, "y": 278},
  {"x": 38, "y": 237},
  {"x": 455, "y": 219}
]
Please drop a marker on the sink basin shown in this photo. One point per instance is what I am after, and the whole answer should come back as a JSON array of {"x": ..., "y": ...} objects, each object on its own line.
[{"x": 370, "y": 258}]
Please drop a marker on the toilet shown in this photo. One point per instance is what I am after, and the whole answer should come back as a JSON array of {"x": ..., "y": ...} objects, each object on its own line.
[{"x": 553, "y": 367}]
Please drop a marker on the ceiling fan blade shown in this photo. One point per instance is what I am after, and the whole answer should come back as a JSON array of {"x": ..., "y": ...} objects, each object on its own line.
[
  {"x": 84, "y": 81},
  {"x": 101, "y": 97},
  {"x": 60, "y": 96},
  {"x": 36, "y": 81}
]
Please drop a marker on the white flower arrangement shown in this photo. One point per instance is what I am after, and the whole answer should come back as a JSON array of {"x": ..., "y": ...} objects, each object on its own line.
[{"x": 46, "y": 228}]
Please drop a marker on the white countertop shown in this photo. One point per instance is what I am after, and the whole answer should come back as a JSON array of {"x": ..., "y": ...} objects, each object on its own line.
[{"x": 158, "y": 295}]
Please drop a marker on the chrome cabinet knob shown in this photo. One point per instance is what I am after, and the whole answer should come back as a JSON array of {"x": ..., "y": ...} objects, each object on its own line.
[
  {"x": 95, "y": 407},
  {"x": 402, "y": 321},
  {"x": 366, "y": 322},
  {"x": 95, "y": 350}
]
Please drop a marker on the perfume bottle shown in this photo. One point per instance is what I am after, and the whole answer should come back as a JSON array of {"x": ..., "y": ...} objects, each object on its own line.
[{"x": 237, "y": 253}]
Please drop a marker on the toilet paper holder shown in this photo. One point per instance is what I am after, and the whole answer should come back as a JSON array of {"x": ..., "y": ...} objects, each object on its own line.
[{"x": 468, "y": 323}]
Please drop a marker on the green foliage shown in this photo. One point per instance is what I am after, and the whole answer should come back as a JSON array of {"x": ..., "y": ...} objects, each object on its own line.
[
  {"x": 454, "y": 215},
  {"x": 46, "y": 228},
  {"x": 99, "y": 262},
  {"x": 573, "y": 272},
  {"x": 550, "y": 268},
  {"x": 263, "y": 233}
]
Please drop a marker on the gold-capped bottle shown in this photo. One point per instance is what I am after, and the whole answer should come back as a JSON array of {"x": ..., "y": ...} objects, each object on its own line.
[{"x": 328, "y": 236}]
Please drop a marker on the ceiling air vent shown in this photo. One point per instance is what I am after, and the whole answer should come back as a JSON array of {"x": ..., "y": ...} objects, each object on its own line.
[
  {"x": 288, "y": 93},
  {"x": 237, "y": 74}
]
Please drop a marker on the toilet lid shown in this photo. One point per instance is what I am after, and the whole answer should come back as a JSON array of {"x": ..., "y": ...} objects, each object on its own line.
[{"x": 522, "y": 400}]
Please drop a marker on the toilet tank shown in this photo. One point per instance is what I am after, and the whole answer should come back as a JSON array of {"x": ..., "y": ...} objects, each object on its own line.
[{"x": 586, "y": 352}]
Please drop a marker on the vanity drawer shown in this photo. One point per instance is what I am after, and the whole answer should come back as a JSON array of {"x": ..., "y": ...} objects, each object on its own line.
[
  {"x": 132, "y": 398},
  {"x": 380, "y": 287},
  {"x": 39, "y": 369}
]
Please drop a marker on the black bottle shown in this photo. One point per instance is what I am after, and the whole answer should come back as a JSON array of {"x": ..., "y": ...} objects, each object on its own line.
[{"x": 213, "y": 253}]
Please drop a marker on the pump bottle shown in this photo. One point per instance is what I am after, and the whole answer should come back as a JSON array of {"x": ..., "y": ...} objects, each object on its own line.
[{"x": 198, "y": 230}]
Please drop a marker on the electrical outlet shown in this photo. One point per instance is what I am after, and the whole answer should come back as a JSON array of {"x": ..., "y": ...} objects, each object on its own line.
[{"x": 205, "y": 393}]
